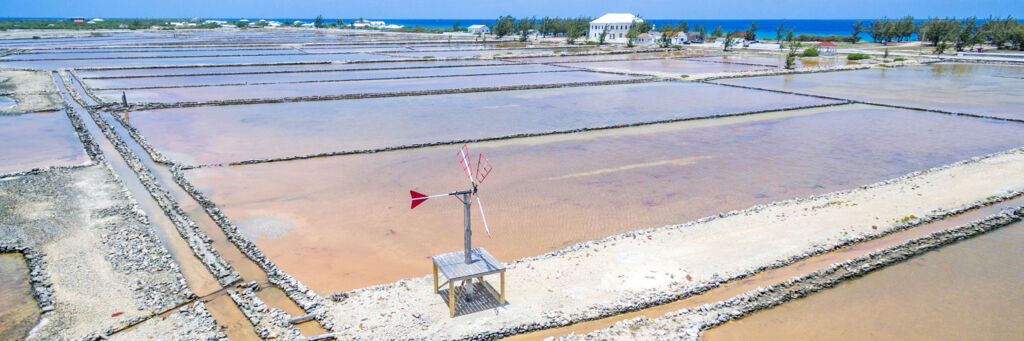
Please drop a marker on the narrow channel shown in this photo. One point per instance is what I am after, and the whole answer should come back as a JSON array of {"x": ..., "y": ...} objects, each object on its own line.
[
  {"x": 769, "y": 277},
  {"x": 199, "y": 279},
  {"x": 249, "y": 270}
]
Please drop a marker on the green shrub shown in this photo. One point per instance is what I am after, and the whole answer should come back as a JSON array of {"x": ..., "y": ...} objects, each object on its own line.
[
  {"x": 593, "y": 43},
  {"x": 857, "y": 56},
  {"x": 556, "y": 51},
  {"x": 899, "y": 59},
  {"x": 677, "y": 46},
  {"x": 684, "y": 76},
  {"x": 810, "y": 52}
]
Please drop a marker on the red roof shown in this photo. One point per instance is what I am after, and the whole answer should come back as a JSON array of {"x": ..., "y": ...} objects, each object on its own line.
[{"x": 825, "y": 43}]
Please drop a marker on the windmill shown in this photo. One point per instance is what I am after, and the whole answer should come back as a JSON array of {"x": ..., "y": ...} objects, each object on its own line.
[{"x": 477, "y": 177}]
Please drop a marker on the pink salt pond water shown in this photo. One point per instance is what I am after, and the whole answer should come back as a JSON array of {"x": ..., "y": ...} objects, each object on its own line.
[
  {"x": 991, "y": 90},
  {"x": 680, "y": 66},
  {"x": 222, "y": 134},
  {"x": 774, "y": 60},
  {"x": 275, "y": 91},
  {"x": 222, "y": 70},
  {"x": 964, "y": 291},
  {"x": 340, "y": 223},
  {"x": 347, "y": 75},
  {"x": 38, "y": 140}
]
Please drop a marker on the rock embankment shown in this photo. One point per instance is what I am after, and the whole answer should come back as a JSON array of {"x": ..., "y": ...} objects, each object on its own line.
[
  {"x": 95, "y": 266},
  {"x": 687, "y": 324}
]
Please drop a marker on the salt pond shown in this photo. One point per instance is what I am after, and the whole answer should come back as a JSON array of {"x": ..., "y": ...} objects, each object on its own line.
[
  {"x": 272, "y": 91},
  {"x": 680, "y": 66},
  {"x": 962, "y": 291},
  {"x": 92, "y": 63},
  {"x": 992, "y": 90},
  {"x": 164, "y": 81},
  {"x": 234, "y": 133},
  {"x": 18, "y": 310},
  {"x": 221, "y": 70},
  {"x": 38, "y": 140},
  {"x": 344, "y": 222}
]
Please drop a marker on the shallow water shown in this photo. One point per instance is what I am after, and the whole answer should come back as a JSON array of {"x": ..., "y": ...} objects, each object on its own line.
[
  {"x": 550, "y": 192},
  {"x": 680, "y": 66},
  {"x": 90, "y": 63},
  {"x": 65, "y": 55},
  {"x": 776, "y": 61},
  {"x": 18, "y": 310},
  {"x": 605, "y": 57},
  {"x": 148, "y": 82},
  {"x": 779, "y": 275},
  {"x": 992, "y": 90},
  {"x": 279, "y": 68},
  {"x": 233, "y": 133},
  {"x": 966, "y": 291},
  {"x": 38, "y": 140},
  {"x": 271, "y": 91},
  {"x": 7, "y": 103}
]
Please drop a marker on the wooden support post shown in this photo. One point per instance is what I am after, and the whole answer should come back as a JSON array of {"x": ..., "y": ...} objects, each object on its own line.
[
  {"x": 451, "y": 297},
  {"x": 503, "y": 288},
  {"x": 481, "y": 279},
  {"x": 435, "y": 278}
]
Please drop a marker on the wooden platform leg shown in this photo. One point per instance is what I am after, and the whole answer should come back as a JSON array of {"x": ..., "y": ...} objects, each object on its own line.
[
  {"x": 435, "y": 278},
  {"x": 451, "y": 297},
  {"x": 502, "y": 288}
]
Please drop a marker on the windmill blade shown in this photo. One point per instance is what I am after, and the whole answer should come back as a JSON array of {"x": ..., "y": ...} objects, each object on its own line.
[
  {"x": 482, "y": 216},
  {"x": 464, "y": 161},
  {"x": 483, "y": 167}
]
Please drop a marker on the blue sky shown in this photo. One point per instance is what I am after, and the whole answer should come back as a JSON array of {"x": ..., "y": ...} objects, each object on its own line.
[{"x": 407, "y": 9}]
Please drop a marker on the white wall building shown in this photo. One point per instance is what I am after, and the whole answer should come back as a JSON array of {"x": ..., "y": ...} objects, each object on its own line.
[
  {"x": 479, "y": 29},
  {"x": 618, "y": 25}
]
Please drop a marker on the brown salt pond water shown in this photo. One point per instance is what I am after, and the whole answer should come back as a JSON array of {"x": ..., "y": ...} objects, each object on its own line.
[
  {"x": 271, "y": 91},
  {"x": 18, "y": 310},
  {"x": 774, "y": 276},
  {"x": 341, "y": 223},
  {"x": 222, "y": 134},
  {"x": 680, "y": 66},
  {"x": 992, "y": 90},
  {"x": 38, "y": 140},
  {"x": 966, "y": 291}
]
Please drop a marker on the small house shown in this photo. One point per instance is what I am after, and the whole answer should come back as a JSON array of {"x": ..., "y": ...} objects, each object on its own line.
[
  {"x": 826, "y": 48},
  {"x": 479, "y": 29},
  {"x": 694, "y": 37}
]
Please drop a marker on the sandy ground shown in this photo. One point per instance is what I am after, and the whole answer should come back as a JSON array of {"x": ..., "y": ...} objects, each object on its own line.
[
  {"x": 595, "y": 278},
  {"x": 103, "y": 264},
  {"x": 31, "y": 91}
]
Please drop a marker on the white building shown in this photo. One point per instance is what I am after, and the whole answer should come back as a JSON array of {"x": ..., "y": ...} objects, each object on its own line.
[
  {"x": 479, "y": 29},
  {"x": 653, "y": 38},
  {"x": 618, "y": 25}
]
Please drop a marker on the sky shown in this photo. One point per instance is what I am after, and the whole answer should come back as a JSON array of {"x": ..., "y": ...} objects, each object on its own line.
[{"x": 485, "y": 9}]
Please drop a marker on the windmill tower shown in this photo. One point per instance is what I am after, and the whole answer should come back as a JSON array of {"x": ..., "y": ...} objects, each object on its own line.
[{"x": 471, "y": 263}]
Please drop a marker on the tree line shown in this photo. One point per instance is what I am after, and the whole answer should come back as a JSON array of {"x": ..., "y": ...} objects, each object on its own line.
[{"x": 945, "y": 33}]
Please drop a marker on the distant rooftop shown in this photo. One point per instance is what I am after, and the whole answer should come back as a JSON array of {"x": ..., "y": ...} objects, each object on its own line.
[{"x": 614, "y": 18}]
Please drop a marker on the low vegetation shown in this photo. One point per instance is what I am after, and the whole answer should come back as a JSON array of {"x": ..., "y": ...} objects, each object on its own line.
[
  {"x": 810, "y": 52},
  {"x": 857, "y": 56}
]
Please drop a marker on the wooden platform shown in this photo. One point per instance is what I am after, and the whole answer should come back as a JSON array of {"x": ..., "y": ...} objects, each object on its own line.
[{"x": 454, "y": 267}]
